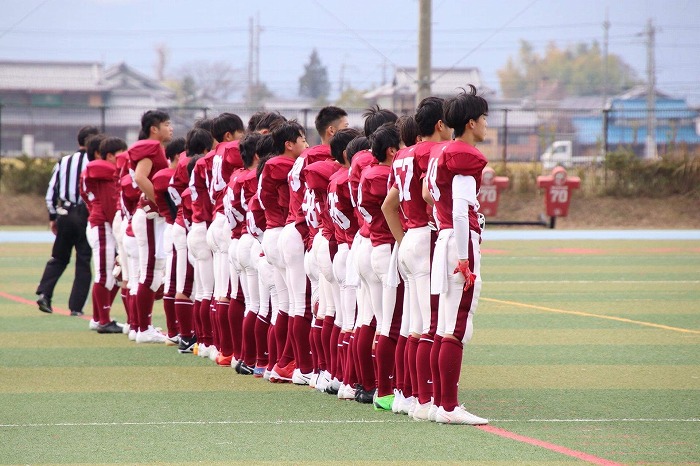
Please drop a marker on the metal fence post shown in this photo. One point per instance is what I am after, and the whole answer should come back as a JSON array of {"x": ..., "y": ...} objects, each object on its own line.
[
  {"x": 606, "y": 115},
  {"x": 505, "y": 137}
]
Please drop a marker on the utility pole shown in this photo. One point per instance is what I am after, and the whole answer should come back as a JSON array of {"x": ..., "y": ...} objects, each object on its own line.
[
  {"x": 606, "y": 30},
  {"x": 253, "y": 55},
  {"x": 341, "y": 85},
  {"x": 651, "y": 89},
  {"x": 424, "y": 49}
]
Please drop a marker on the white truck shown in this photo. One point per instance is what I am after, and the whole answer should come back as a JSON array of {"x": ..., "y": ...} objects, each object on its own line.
[{"x": 562, "y": 153}]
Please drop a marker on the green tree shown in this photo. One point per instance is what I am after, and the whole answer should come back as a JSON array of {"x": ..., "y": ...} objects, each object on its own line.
[
  {"x": 352, "y": 98},
  {"x": 256, "y": 95},
  {"x": 577, "y": 68},
  {"x": 314, "y": 82}
]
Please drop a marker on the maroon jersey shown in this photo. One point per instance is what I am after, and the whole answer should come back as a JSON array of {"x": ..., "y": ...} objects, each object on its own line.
[
  {"x": 317, "y": 176},
  {"x": 255, "y": 218},
  {"x": 297, "y": 188},
  {"x": 370, "y": 196},
  {"x": 341, "y": 208},
  {"x": 202, "y": 206},
  {"x": 148, "y": 149},
  {"x": 99, "y": 191},
  {"x": 360, "y": 161},
  {"x": 248, "y": 188},
  {"x": 408, "y": 171},
  {"x": 226, "y": 160},
  {"x": 161, "y": 185},
  {"x": 180, "y": 180},
  {"x": 446, "y": 161},
  {"x": 129, "y": 196},
  {"x": 232, "y": 203},
  {"x": 273, "y": 190},
  {"x": 184, "y": 212}
]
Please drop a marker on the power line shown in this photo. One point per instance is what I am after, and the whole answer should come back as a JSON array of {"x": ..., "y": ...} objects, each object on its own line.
[
  {"x": 529, "y": 5},
  {"x": 18, "y": 22}
]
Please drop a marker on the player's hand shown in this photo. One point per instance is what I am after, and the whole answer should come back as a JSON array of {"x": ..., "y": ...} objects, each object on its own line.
[
  {"x": 469, "y": 276},
  {"x": 52, "y": 227}
]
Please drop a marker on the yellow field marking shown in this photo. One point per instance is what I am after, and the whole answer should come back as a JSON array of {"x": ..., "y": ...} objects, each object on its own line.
[{"x": 589, "y": 314}]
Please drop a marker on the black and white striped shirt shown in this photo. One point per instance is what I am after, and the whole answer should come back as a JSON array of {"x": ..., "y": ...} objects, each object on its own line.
[{"x": 64, "y": 186}]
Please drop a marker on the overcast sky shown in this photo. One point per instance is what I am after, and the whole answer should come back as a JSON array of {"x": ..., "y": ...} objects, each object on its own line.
[{"x": 365, "y": 37}]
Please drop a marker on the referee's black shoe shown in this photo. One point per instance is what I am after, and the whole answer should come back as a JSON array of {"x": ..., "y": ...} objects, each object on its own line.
[
  {"x": 44, "y": 304},
  {"x": 77, "y": 313}
]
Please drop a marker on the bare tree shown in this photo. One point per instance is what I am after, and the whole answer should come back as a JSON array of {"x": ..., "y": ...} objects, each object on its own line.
[{"x": 217, "y": 81}]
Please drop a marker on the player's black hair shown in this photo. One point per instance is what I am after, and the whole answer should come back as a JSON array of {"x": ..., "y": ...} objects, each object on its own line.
[
  {"x": 254, "y": 120},
  {"x": 226, "y": 123},
  {"x": 112, "y": 145},
  {"x": 192, "y": 161},
  {"x": 199, "y": 141},
  {"x": 339, "y": 142},
  {"x": 376, "y": 117},
  {"x": 85, "y": 132},
  {"x": 286, "y": 132},
  {"x": 174, "y": 147},
  {"x": 270, "y": 121},
  {"x": 385, "y": 137},
  {"x": 265, "y": 146},
  {"x": 408, "y": 129},
  {"x": 355, "y": 146},
  {"x": 466, "y": 106},
  {"x": 326, "y": 117},
  {"x": 92, "y": 145},
  {"x": 247, "y": 148},
  {"x": 149, "y": 119},
  {"x": 428, "y": 113},
  {"x": 204, "y": 123}
]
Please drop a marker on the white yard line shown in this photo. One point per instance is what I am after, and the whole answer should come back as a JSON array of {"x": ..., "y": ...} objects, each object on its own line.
[{"x": 320, "y": 421}]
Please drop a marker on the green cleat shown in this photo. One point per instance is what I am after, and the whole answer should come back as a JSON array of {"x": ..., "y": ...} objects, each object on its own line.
[{"x": 383, "y": 403}]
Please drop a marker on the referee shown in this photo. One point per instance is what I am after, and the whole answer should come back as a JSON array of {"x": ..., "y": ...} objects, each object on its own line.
[{"x": 68, "y": 221}]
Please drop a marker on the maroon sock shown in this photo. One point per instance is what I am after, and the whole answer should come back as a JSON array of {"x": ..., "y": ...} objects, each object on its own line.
[
  {"x": 183, "y": 313},
  {"x": 450, "y": 363},
  {"x": 205, "y": 322},
  {"x": 302, "y": 331},
  {"x": 317, "y": 337},
  {"x": 315, "y": 351},
  {"x": 423, "y": 373},
  {"x": 95, "y": 304},
  {"x": 102, "y": 303},
  {"x": 113, "y": 294},
  {"x": 225, "y": 342},
  {"x": 411, "y": 379},
  {"x": 336, "y": 346},
  {"x": 262, "y": 355},
  {"x": 249, "y": 351},
  {"x": 349, "y": 372},
  {"x": 281, "y": 331},
  {"x": 400, "y": 364},
  {"x": 326, "y": 331},
  {"x": 196, "y": 320},
  {"x": 134, "y": 309},
  {"x": 286, "y": 351},
  {"x": 364, "y": 342},
  {"x": 145, "y": 298},
  {"x": 435, "y": 370},
  {"x": 385, "y": 354},
  {"x": 215, "y": 323},
  {"x": 125, "y": 303},
  {"x": 272, "y": 347},
  {"x": 236, "y": 310},
  {"x": 170, "y": 319}
]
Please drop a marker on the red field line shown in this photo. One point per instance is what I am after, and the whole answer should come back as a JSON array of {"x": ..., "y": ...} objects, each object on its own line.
[
  {"x": 549, "y": 446},
  {"x": 56, "y": 310}
]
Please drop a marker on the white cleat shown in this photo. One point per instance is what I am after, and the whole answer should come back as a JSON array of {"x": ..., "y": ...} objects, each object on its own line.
[
  {"x": 213, "y": 353},
  {"x": 132, "y": 334},
  {"x": 398, "y": 399},
  {"x": 150, "y": 336},
  {"x": 299, "y": 378},
  {"x": 432, "y": 413},
  {"x": 324, "y": 379},
  {"x": 458, "y": 416},
  {"x": 203, "y": 351},
  {"x": 93, "y": 324},
  {"x": 421, "y": 412}
]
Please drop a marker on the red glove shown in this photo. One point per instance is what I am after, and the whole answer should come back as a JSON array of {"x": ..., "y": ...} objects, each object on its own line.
[{"x": 469, "y": 276}]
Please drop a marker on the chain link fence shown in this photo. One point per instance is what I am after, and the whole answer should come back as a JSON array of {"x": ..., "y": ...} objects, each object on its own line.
[{"x": 514, "y": 135}]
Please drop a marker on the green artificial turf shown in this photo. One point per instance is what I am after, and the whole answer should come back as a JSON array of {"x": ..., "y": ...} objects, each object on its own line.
[{"x": 546, "y": 362}]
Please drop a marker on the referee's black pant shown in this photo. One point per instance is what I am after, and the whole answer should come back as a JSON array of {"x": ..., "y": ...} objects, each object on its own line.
[{"x": 70, "y": 234}]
